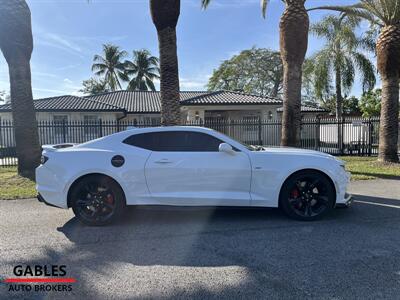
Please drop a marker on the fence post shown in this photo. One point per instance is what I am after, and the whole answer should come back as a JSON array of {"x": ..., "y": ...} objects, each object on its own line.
[
  {"x": 63, "y": 130},
  {"x": 341, "y": 136},
  {"x": 101, "y": 127},
  {"x": 260, "y": 142},
  {"x": 317, "y": 133},
  {"x": 370, "y": 131}
]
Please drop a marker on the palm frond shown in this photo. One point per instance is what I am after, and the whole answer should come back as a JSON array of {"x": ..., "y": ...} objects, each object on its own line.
[
  {"x": 142, "y": 69},
  {"x": 367, "y": 70},
  {"x": 205, "y": 3},
  {"x": 99, "y": 67},
  {"x": 357, "y": 10},
  {"x": 150, "y": 84},
  {"x": 322, "y": 72},
  {"x": 348, "y": 74},
  {"x": 264, "y": 4}
]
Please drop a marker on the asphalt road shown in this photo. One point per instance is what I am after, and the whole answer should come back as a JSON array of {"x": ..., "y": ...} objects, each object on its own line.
[{"x": 207, "y": 253}]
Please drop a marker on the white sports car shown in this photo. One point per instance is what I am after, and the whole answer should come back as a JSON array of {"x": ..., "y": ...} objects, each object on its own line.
[{"x": 187, "y": 166}]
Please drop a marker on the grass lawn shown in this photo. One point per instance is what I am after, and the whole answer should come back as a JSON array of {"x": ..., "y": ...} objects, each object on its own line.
[
  {"x": 364, "y": 168},
  {"x": 13, "y": 186}
]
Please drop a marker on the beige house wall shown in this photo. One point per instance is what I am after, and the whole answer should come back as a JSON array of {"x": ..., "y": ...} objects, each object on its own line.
[{"x": 236, "y": 112}]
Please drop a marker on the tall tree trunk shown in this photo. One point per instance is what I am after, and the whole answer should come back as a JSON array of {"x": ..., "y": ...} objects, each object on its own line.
[
  {"x": 16, "y": 44},
  {"x": 294, "y": 25},
  {"x": 165, "y": 15},
  {"x": 388, "y": 53},
  {"x": 339, "y": 107},
  {"x": 275, "y": 89}
]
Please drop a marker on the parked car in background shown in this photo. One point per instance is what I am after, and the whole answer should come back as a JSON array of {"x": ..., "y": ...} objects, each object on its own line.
[{"x": 187, "y": 166}]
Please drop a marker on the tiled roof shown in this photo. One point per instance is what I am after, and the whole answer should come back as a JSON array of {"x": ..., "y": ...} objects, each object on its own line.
[
  {"x": 230, "y": 98},
  {"x": 68, "y": 103},
  {"x": 305, "y": 108},
  {"x": 149, "y": 102}
]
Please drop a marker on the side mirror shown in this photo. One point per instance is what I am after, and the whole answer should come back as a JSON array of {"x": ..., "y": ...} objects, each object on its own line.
[{"x": 224, "y": 147}]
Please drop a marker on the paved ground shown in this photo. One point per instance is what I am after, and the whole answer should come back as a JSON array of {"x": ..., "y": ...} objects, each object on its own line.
[{"x": 229, "y": 253}]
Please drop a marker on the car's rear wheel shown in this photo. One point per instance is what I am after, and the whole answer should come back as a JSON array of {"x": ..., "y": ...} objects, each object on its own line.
[
  {"x": 97, "y": 200},
  {"x": 307, "y": 196}
]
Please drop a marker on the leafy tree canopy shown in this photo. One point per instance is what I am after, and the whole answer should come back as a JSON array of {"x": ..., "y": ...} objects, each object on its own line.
[
  {"x": 4, "y": 97},
  {"x": 370, "y": 103},
  {"x": 256, "y": 71},
  {"x": 350, "y": 105},
  {"x": 94, "y": 86}
]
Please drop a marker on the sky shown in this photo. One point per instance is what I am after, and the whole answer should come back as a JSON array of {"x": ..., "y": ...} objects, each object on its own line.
[{"x": 68, "y": 33}]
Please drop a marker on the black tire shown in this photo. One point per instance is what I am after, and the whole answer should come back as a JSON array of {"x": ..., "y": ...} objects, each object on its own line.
[
  {"x": 307, "y": 196},
  {"x": 97, "y": 200}
]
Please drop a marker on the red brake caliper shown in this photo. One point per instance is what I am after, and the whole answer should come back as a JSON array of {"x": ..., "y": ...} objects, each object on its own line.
[
  {"x": 110, "y": 199},
  {"x": 294, "y": 193}
]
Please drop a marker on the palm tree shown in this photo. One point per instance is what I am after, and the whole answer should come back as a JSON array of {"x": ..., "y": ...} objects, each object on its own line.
[
  {"x": 385, "y": 14},
  {"x": 16, "y": 43},
  {"x": 165, "y": 15},
  {"x": 293, "y": 27},
  {"x": 110, "y": 66},
  {"x": 144, "y": 69},
  {"x": 339, "y": 58}
]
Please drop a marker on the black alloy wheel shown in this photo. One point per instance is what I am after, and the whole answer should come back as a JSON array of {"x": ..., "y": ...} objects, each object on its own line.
[
  {"x": 97, "y": 200},
  {"x": 307, "y": 196}
]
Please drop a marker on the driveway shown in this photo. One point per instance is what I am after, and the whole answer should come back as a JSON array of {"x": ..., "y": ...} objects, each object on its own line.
[{"x": 207, "y": 253}]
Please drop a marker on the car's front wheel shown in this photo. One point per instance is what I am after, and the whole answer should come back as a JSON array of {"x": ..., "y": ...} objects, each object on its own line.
[
  {"x": 307, "y": 196},
  {"x": 97, "y": 200}
]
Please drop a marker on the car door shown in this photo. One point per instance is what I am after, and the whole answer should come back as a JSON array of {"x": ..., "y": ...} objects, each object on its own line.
[{"x": 186, "y": 168}]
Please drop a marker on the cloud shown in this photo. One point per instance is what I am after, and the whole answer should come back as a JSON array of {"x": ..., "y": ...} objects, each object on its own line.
[
  {"x": 193, "y": 84},
  {"x": 67, "y": 81},
  {"x": 70, "y": 86},
  {"x": 44, "y": 38},
  {"x": 42, "y": 74},
  {"x": 54, "y": 91},
  {"x": 68, "y": 67},
  {"x": 63, "y": 42}
]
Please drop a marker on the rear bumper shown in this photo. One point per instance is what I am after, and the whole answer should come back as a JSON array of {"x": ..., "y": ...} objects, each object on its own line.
[{"x": 50, "y": 187}]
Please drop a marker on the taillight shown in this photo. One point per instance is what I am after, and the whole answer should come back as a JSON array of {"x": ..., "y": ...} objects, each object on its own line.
[{"x": 43, "y": 159}]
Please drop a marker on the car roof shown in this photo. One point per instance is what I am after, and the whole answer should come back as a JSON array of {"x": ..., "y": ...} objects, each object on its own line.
[
  {"x": 170, "y": 128},
  {"x": 120, "y": 136}
]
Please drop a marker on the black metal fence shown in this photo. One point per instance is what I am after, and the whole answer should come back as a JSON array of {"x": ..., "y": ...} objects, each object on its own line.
[{"x": 352, "y": 136}]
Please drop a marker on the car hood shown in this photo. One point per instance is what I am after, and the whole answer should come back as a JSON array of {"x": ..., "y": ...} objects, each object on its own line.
[{"x": 297, "y": 151}]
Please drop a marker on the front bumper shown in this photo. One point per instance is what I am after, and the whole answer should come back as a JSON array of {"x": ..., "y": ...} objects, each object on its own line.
[{"x": 348, "y": 200}]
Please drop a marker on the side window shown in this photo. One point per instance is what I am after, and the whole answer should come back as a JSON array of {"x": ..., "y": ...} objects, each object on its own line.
[
  {"x": 146, "y": 141},
  {"x": 175, "y": 141},
  {"x": 201, "y": 142}
]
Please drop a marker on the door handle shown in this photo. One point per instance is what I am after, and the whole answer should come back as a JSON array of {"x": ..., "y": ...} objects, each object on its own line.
[{"x": 163, "y": 161}]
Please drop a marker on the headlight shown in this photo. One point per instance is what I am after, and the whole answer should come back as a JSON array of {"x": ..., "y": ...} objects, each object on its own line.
[{"x": 43, "y": 159}]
